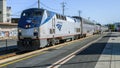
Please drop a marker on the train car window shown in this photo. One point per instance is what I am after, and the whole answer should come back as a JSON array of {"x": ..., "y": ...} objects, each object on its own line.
[
  {"x": 52, "y": 31},
  {"x": 77, "y": 29},
  {"x": 118, "y": 25},
  {"x": 65, "y": 18},
  {"x": 48, "y": 13},
  {"x": 57, "y": 16},
  {"x": 0, "y": 12},
  {"x": 88, "y": 31},
  {"x": 75, "y": 20},
  {"x": 60, "y": 17}
]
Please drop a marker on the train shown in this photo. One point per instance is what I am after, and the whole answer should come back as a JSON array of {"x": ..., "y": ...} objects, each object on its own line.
[
  {"x": 117, "y": 26},
  {"x": 38, "y": 28}
]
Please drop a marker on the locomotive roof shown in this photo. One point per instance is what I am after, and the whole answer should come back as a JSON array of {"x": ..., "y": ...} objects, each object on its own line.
[
  {"x": 68, "y": 18},
  {"x": 33, "y": 9},
  {"x": 88, "y": 21}
]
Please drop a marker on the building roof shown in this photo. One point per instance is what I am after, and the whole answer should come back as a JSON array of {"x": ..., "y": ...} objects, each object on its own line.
[{"x": 8, "y": 24}]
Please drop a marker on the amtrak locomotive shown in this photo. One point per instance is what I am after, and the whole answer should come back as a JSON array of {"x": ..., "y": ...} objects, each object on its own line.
[{"x": 40, "y": 28}]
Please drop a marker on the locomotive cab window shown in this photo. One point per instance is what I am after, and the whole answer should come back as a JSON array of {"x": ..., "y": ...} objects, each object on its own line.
[
  {"x": 26, "y": 14},
  {"x": 48, "y": 13}
]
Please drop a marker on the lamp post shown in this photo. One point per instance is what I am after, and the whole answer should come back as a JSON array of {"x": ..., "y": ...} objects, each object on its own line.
[
  {"x": 38, "y": 3},
  {"x": 81, "y": 25}
]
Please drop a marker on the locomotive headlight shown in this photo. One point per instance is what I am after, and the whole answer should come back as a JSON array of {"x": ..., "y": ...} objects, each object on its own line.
[
  {"x": 26, "y": 26},
  {"x": 35, "y": 30},
  {"x": 29, "y": 26},
  {"x": 19, "y": 30}
]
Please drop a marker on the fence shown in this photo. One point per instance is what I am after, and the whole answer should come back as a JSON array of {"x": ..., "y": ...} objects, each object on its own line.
[{"x": 7, "y": 44}]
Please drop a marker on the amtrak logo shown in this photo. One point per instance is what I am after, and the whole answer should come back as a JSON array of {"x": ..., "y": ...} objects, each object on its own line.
[
  {"x": 29, "y": 21},
  {"x": 59, "y": 25}
]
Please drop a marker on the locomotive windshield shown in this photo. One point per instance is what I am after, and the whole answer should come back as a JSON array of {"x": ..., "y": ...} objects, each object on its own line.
[
  {"x": 32, "y": 13},
  {"x": 31, "y": 17},
  {"x": 26, "y": 14}
]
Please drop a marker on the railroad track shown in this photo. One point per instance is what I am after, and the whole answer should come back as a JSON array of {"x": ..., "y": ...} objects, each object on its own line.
[{"x": 7, "y": 53}]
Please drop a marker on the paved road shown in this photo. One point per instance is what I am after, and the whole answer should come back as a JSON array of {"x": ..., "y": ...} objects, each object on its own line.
[{"x": 84, "y": 59}]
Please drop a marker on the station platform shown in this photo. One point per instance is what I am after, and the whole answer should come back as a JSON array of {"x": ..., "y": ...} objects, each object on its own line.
[{"x": 110, "y": 57}]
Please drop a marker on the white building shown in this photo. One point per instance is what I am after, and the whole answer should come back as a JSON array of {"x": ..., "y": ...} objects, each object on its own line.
[
  {"x": 5, "y": 12},
  {"x": 8, "y": 15},
  {"x": 7, "y": 29}
]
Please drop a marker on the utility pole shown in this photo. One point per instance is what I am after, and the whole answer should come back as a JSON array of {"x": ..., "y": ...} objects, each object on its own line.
[
  {"x": 88, "y": 18},
  {"x": 38, "y": 3},
  {"x": 81, "y": 25},
  {"x": 79, "y": 12},
  {"x": 63, "y": 7}
]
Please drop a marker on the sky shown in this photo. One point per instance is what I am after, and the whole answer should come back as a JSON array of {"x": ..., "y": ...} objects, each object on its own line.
[{"x": 101, "y": 11}]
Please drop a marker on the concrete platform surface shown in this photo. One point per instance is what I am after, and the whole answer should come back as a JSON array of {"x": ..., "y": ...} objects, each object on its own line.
[{"x": 110, "y": 57}]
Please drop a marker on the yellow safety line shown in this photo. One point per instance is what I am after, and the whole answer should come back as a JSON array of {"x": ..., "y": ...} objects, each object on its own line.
[{"x": 11, "y": 62}]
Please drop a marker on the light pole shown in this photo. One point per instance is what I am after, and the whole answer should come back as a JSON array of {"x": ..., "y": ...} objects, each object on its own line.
[
  {"x": 81, "y": 22},
  {"x": 38, "y": 3},
  {"x": 63, "y": 7}
]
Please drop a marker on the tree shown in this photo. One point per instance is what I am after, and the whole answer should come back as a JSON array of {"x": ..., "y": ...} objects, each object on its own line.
[
  {"x": 98, "y": 24},
  {"x": 111, "y": 27}
]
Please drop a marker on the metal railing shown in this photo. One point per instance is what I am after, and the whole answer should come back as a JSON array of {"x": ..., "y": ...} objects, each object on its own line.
[{"x": 8, "y": 43}]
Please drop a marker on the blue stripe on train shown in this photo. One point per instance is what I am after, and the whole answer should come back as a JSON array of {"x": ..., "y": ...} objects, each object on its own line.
[{"x": 48, "y": 18}]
